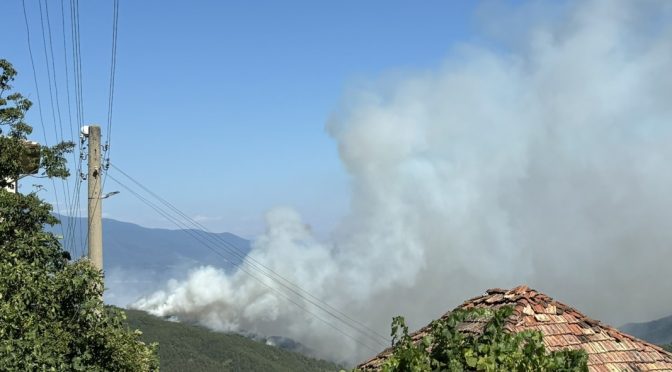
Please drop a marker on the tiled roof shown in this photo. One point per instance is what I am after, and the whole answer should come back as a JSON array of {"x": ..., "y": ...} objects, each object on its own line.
[{"x": 563, "y": 328}]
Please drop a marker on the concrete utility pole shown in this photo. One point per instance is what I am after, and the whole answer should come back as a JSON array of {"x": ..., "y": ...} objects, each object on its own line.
[{"x": 94, "y": 179}]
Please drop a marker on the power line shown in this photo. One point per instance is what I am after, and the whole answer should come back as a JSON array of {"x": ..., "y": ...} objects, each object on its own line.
[
  {"x": 265, "y": 270},
  {"x": 74, "y": 9},
  {"x": 76, "y": 213},
  {"x": 74, "y": 206},
  {"x": 232, "y": 249},
  {"x": 67, "y": 76},
  {"x": 53, "y": 68},
  {"x": 39, "y": 104},
  {"x": 32, "y": 63},
  {"x": 113, "y": 69},
  {"x": 79, "y": 101},
  {"x": 204, "y": 242},
  {"x": 64, "y": 183},
  {"x": 69, "y": 240}
]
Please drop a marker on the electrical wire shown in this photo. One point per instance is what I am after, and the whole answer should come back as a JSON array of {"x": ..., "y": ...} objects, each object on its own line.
[
  {"x": 53, "y": 69},
  {"x": 258, "y": 266},
  {"x": 74, "y": 9},
  {"x": 232, "y": 249},
  {"x": 248, "y": 265},
  {"x": 69, "y": 242},
  {"x": 113, "y": 69},
  {"x": 79, "y": 101},
  {"x": 39, "y": 104},
  {"x": 54, "y": 96},
  {"x": 67, "y": 77},
  {"x": 204, "y": 242}
]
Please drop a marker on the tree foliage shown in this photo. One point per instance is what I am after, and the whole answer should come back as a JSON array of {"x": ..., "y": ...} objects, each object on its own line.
[
  {"x": 189, "y": 347},
  {"x": 52, "y": 316},
  {"x": 446, "y": 348}
]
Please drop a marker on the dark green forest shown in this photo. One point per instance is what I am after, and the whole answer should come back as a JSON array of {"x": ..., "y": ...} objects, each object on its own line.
[{"x": 185, "y": 347}]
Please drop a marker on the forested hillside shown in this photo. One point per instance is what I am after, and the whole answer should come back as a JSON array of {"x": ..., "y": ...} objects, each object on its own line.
[
  {"x": 184, "y": 347},
  {"x": 657, "y": 331}
]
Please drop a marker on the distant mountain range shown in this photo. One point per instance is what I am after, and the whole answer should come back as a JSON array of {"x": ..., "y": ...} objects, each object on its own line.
[
  {"x": 140, "y": 260},
  {"x": 185, "y": 347},
  {"x": 657, "y": 331}
]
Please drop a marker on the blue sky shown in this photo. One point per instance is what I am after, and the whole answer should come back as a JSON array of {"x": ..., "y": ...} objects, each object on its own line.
[{"x": 219, "y": 106}]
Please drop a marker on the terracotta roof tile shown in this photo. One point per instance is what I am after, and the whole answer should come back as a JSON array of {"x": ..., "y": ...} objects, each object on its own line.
[{"x": 563, "y": 328}]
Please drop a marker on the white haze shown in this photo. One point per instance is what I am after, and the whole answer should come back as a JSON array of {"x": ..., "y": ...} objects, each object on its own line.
[{"x": 546, "y": 162}]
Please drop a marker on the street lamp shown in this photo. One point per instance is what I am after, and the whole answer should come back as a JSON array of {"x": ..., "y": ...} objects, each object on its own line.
[{"x": 108, "y": 195}]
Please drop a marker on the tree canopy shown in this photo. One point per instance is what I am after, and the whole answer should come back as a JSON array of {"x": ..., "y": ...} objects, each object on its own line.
[
  {"x": 447, "y": 348},
  {"x": 52, "y": 316}
]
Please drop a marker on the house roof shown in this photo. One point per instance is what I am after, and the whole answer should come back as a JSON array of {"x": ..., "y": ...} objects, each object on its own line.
[{"x": 563, "y": 328}]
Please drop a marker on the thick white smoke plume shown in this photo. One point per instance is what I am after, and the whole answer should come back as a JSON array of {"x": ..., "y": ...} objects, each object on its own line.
[{"x": 546, "y": 162}]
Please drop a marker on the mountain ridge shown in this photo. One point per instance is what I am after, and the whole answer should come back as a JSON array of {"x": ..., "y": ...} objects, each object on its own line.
[
  {"x": 657, "y": 331},
  {"x": 140, "y": 260}
]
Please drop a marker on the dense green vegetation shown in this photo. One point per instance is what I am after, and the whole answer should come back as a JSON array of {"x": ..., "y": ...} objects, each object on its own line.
[
  {"x": 52, "y": 317},
  {"x": 668, "y": 347},
  {"x": 184, "y": 347},
  {"x": 494, "y": 349}
]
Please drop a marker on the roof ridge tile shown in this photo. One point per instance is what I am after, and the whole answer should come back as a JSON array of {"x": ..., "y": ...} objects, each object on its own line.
[{"x": 563, "y": 326}]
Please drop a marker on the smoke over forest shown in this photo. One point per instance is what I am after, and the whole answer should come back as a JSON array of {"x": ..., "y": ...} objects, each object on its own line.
[{"x": 540, "y": 157}]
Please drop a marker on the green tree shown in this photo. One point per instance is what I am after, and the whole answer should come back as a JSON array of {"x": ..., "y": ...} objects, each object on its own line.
[
  {"x": 446, "y": 348},
  {"x": 52, "y": 316}
]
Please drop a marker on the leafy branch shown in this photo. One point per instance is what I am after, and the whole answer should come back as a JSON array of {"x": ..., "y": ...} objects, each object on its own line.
[{"x": 448, "y": 346}]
